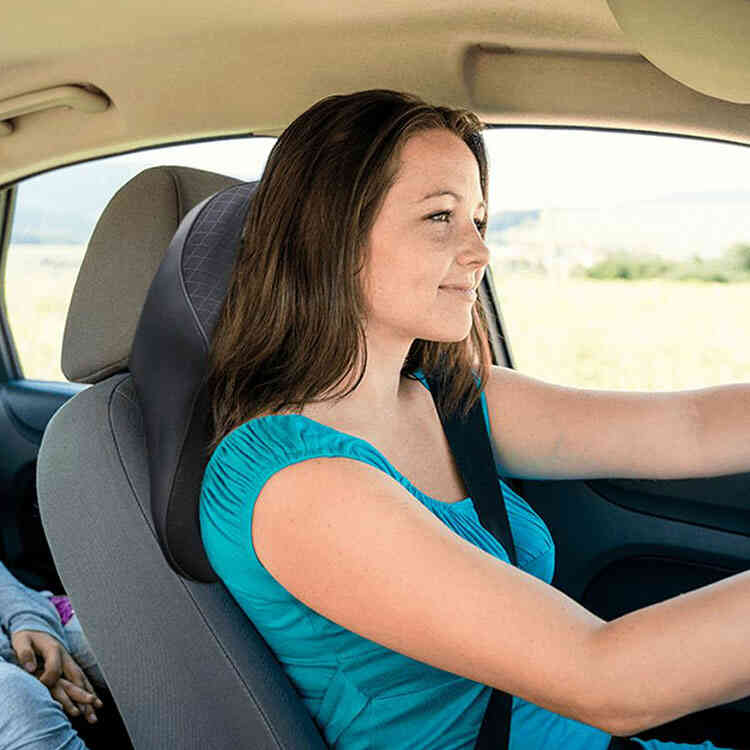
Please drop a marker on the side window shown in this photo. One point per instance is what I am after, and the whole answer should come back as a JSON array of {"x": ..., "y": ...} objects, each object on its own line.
[
  {"x": 621, "y": 261},
  {"x": 55, "y": 214}
]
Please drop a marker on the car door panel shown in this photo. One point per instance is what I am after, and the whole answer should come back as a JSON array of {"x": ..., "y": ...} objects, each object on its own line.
[
  {"x": 25, "y": 408},
  {"x": 619, "y": 549}
]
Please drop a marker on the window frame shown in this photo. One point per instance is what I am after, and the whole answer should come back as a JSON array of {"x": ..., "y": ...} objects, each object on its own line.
[{"x": 10, "y": 366}]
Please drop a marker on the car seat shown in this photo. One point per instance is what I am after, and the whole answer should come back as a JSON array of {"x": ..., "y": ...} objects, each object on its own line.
[{"x": 119, "y": 473}]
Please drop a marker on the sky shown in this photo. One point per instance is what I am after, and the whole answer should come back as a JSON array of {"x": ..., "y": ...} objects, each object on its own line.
[
  {"x": 534, "y": 168},
  {"x": 544, "y": 168}
]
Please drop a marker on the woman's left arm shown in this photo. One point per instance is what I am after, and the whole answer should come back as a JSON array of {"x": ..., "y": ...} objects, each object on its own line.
[{"x": 546, "y": 431}]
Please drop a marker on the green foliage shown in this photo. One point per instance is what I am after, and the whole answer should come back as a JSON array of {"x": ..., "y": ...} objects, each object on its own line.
[
  {"x": 622, "y": 265},
  {"x": 733, "y": 265},
  {"x": 701, "y": 270},
  {"x": 740, "y": 256}
]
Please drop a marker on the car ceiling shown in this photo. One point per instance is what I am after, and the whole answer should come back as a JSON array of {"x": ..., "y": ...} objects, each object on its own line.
[{"x": 177, "y": 71}]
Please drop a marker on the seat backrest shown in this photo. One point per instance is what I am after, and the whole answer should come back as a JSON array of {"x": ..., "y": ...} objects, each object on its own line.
[{"x": 184, "y": 664}]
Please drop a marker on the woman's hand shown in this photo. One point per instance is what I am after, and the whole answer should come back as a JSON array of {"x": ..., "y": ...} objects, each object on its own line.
[{"x": 58, "y": 671}]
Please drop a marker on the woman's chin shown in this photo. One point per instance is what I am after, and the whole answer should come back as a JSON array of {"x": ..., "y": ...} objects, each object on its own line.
[{"x": 448, "y": 335}]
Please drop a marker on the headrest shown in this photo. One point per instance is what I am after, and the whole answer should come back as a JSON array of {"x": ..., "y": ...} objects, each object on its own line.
[
  {"x": 169, "y": 364},
  {"x": 123, "y": 254}
]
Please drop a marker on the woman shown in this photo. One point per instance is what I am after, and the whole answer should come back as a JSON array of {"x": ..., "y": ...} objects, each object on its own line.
[{"x": 332, "y": 509}]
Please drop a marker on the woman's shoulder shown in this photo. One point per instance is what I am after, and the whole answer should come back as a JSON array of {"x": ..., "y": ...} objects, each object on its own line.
[
  {"x": 254, "y": 450},
  {"x": 268, "y": 438},
  {"x": 242, "y": 464}
]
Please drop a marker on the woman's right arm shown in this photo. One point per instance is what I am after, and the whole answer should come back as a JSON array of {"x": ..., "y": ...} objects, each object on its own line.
[{"x": 351, "y": 543}]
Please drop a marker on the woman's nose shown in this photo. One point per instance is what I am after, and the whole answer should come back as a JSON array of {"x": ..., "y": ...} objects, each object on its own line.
[{"x": 476, "y": 250}]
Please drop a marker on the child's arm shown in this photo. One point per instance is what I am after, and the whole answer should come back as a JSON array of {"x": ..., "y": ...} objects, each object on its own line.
[
  {"x": 42, "y": 655},
  {"x": 28, "y": 618},
  {"x": 22, "y": 608}
]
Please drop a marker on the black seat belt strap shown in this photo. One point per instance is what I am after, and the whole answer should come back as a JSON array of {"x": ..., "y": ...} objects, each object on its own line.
[
  {"x": 471, "y": 448},
  {"x": 623, "y": 743},
  {"x": 470, "y": 445}
]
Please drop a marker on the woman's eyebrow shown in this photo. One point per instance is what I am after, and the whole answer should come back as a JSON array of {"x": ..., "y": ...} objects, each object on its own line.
[{"x": 458, "y": 197}]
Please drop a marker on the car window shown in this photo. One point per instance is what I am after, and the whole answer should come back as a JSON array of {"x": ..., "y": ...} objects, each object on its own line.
[
  {"x": 621, "y": 260},
  {"x": 55, "y": 214}
]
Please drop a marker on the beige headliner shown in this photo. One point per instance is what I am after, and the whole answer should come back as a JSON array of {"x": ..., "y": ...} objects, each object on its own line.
[{"x": 181, "y": 70}]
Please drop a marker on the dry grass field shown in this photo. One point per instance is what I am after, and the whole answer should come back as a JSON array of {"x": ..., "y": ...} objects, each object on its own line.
[
  {"x": 629, "y": 335},
  {"x": 644, "y": 335},
  {"x": 39, "y": 282}
]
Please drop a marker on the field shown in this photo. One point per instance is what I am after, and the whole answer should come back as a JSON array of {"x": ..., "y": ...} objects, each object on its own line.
[
  {"x": 632, "y": 335},
  {"x": 39, "y": 282},
  {"x": 636, "y": 335}
]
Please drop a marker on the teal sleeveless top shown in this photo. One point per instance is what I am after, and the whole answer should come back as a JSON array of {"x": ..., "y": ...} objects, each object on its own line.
[{"x": 363, "y": 695}]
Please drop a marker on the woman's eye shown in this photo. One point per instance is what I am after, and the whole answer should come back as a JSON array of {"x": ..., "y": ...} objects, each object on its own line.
[{"x": 445, "y": 217}]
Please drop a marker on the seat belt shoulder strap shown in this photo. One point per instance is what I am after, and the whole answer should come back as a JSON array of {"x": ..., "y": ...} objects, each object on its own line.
[{"x": 472, "y": 450}]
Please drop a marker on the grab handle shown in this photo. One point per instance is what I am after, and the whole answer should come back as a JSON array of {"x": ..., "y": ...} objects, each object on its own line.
[{"x": 74, "y": 97}]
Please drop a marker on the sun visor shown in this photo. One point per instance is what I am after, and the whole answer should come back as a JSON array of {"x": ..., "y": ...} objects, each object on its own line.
[
  {"x": 701, "y": 43},
  {"x": 528, "y": 87}
]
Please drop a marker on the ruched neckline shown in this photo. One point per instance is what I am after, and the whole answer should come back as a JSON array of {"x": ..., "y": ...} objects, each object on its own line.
[{"x": 402, "y": 477}]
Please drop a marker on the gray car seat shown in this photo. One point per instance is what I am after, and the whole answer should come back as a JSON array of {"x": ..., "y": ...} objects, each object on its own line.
[{"x": 185, "y": 666}]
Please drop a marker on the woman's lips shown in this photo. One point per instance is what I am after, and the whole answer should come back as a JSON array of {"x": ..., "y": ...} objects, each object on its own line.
[{"x": 468, "y": 294}]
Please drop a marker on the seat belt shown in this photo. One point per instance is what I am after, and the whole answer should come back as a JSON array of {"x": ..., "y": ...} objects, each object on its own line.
[
  {"x": 624, "y": 743},
  {"x": 471, "y": 448}
]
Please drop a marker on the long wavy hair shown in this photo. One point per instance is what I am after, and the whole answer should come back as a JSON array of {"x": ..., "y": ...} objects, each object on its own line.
[{"x": 292, "y": 324}]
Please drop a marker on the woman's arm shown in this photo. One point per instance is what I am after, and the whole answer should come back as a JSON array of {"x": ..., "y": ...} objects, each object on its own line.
[
  {"x": 355, "y": 546},
  {"x": 545, "y": 431}
]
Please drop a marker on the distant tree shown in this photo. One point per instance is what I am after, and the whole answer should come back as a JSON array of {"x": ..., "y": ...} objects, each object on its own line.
[
  {"x": 739, "y": 256},
  {"x": 630, "y": 266},
  {"x": 733, "y": 265}
]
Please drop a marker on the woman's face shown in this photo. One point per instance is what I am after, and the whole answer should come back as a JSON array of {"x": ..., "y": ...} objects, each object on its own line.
[{"x": 425, "y": 238}]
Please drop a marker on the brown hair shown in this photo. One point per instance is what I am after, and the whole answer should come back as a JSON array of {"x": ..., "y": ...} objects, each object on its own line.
[{"x": 292, "y": 324}]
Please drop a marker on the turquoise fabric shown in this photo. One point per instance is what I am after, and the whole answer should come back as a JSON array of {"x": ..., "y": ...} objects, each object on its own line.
[{"x": 361, "y": 694}]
